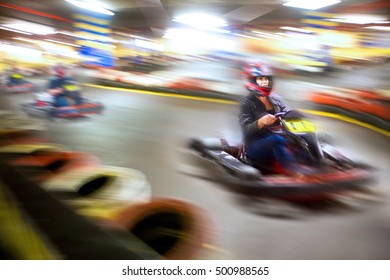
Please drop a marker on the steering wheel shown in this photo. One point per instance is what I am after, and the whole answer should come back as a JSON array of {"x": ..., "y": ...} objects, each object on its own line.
[{"x": 276, "y": 126}]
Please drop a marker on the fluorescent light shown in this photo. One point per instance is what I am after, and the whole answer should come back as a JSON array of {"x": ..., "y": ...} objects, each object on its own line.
[
  {"x": 31, "y": 28},
  {"x": 220, "y": 30},
  {"x": 67, "y": 33},
  {"x": 310, "y": 4},
  {"x": 380, "y": 22},
  {"x": 142, "y": 38},
  {"x": 91, "y": 6},
  {"x": 24, "y": 39},
  {"x": 296, "y": 29},
  {"x": 384, "y": 28},
  {"x": 63, "y": 43},
  {"x": 122, "y": 34},
  {"x": 148, "y": 45},
  {"x": 266, "y": 35},
  {"x": 133, "y": 36},
  {"x": 39, "y": 42},
  {"x": 181, "y": 34},
  {"x": 125, "y": 42},
  {"x": 246, "y": 36},
  {"x": 201, "y": 21},
  {"x": 359, "y": 19},
  {"x": 30, "y": 54},
  {"x": 13, "y": 30},
  {"x": 91, "y": 37}
]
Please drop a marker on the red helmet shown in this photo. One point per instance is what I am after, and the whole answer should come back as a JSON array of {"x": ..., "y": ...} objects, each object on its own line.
[
  {"x": 258, "y": 69},
  {"x": 59, "y": 71}
]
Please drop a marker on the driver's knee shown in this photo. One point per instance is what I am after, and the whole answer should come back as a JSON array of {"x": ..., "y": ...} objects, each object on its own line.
[{"x": 278, "y": 140}]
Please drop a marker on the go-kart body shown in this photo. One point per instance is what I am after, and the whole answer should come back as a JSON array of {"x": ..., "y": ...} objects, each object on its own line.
[
  {"x": 45, "y": 105},
  {"x": 16, "y": 83},
  {"x": 331, "y": 172}
]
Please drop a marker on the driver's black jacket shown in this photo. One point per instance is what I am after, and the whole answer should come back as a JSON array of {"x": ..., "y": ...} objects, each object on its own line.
[{"x": 251, "y": 109}]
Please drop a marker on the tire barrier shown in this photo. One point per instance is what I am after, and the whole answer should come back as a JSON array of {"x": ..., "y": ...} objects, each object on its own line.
[
  {"x": 174, "y": 228},
  {"x": 37, "y": 226},
  {"x": 11, "y": 122},
  {"x": 374, "y": 103},
  {"x": 14, "y": 151},
  {"x": 117, "y": 199},
  {"x": 100, "y": 184},
  {"x": 363, "y": 105},
  {"x": 29, "y": 148},
  {"x": 46, "y": 165},
  {"x": 18, "y": 127},
  {"x": 22, "y": 137}
]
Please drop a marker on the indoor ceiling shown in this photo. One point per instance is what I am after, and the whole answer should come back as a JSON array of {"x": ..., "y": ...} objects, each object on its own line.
[{"x": 151, "y": 18}]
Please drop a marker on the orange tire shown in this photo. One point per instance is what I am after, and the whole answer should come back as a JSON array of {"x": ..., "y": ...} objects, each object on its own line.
[
  {"x": 48, "y": 164},
  {"x": 176, "y": 229}
]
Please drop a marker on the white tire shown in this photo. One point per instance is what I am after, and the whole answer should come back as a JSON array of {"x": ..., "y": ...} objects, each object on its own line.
[{"x": 105, "y": 183}]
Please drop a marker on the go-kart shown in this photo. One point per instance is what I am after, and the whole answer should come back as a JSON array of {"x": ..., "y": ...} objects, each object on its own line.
[
  {"x": 330, "y": 171},
  {"x": 44, "y": 105},
  {"x": 17, "y": 84}
]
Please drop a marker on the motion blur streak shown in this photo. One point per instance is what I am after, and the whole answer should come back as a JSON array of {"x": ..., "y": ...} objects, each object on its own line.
[
  {"x": 35, "y": 12},
  {"x": 214, "y": 100},
  {"x": 346, "y": 119}
]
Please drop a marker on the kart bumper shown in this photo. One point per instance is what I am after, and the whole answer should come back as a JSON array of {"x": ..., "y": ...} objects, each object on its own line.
[
  {"x": 19, "y": 88},
  {"x": 77, "y": 111},
  {"x": 322, "y": 183},
  {"x": 46, "y": 110}
]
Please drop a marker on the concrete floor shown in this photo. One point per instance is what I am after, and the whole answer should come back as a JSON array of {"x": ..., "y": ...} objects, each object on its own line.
[{"x": 149, "y": 133}]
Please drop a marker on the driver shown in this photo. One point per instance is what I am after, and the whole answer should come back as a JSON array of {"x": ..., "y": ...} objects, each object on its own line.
[
  {"x": 256, "y": 115},
  {"x": 14, "y": 76},
  {"x": 57, "y": 87}
]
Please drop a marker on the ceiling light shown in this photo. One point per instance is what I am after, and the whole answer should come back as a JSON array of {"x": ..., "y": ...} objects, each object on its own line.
[
  {"x": 62, "y": 43},
  {"x": 66, "y": 33},
  {"x": 142, "y": 38},
  {"x": 380, "y": 22},
  {"x": 13, "y": 30},
  {"x": 201, "y": 21},
  {"x": 24, "y": 39},
  {"x": 384, "y": 28},
  {"x": 31, "y": 28},
  {"x": 220, "y": 30},
  {"x": 310, "y": 4},
  {"x": 296, "y": 29},
  {"x": 246, "y": 36},
  {"x": 359, "y": 19},
  {"x": 148, "y": 45},
  {"x": 93, "y": 6},
  {"x": 122, "y": 34},
  {"x": 267, "y": 35},
  {"x": 27, "y": 53}
]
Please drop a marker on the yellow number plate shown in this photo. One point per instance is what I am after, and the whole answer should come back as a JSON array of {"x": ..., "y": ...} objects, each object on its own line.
[
  {"x": 16, "y": 76},
  {"x": 71, "y": 87},
  {"x": 300, "y": 126}
]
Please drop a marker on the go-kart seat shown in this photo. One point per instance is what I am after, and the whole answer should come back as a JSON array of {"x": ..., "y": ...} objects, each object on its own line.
[{"x": 235, "y": 151}]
